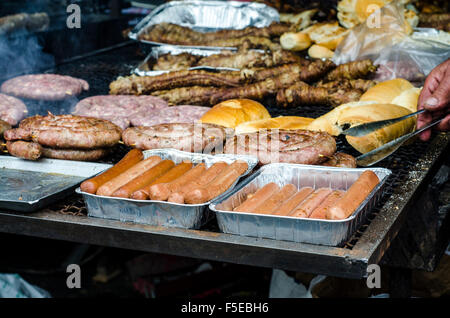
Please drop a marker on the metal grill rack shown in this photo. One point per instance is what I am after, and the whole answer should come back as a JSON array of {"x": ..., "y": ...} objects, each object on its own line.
[{"x": 412, "y": 166}]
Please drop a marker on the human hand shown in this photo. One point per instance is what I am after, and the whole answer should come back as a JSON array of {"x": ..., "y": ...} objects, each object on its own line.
[{"x": 435, "y": 98}]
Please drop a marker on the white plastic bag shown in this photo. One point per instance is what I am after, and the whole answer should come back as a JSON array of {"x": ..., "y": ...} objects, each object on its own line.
[
  {"x": 14, "y": 286},
  {"x": 385, "y": 39}
]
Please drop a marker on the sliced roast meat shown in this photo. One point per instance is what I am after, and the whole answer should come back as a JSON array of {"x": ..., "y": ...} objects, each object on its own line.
[
  {"x": 44, "y": 86},
  {"x": 290, "y": 146}
]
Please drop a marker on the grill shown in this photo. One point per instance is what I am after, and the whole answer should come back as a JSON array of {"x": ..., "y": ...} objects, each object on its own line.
[{"x": 412, "y": 165}]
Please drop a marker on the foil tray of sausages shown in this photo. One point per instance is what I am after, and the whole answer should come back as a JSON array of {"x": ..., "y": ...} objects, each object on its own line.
[
  {"x": 162, "y": 213},
  {"x": 207, "y": 16},
  {"x": 27, "y": 186},
  {"x": 295, "y": 229},
  {"x": 144, "y": 68}
]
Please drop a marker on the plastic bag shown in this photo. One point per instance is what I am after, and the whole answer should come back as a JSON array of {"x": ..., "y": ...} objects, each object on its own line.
[
  {"x": 386, "y": 39},
  {"x": 14, "y": 286}
]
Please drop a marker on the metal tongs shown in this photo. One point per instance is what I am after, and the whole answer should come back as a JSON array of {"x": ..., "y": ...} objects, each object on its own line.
[{"x": 378, "y": 154}]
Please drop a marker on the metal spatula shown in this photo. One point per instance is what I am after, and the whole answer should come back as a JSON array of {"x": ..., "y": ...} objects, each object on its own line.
[
  {"x": 364, "y": 129},
  {"x": 382, "y": 152}
]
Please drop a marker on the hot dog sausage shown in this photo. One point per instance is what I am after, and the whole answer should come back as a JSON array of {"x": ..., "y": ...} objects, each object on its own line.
[
  {"x": 294, "y": 201},
  {"x": 262, "y": 194},
  {"x": 130, "y": 159},
  {"x": 321, "y": 211},
  {"x": 162, "y": 191},
  {"x": 112, "y": 185},
  {"x": 275, "y": 200},
  {"x": 218, "y": 185},
  {"x": 205, "y": 178},
  {"x": 305, "y": 208},
  {"x": 172, "y": 174},
  {"x": 144, "y": 179},
  {"x": 354, "y": 196}
]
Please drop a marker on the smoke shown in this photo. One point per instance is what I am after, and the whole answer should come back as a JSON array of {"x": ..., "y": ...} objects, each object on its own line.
[{"x": 22, "y": 54}]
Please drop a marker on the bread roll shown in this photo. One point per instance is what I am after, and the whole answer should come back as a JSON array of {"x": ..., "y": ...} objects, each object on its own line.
[
  {"x": 397, "y": 91},
  {"x": 364, "y": 114},
  {"x": 295, "y": 41},
  {"x": 318, "y": 52},
  {"x": 328, "y": 122},
  {"x": 282, "y": 122},
  {"x": 353, "y": 114},
  {"x": 325, "y": 34},
  {"x": 233, "y": 112}
]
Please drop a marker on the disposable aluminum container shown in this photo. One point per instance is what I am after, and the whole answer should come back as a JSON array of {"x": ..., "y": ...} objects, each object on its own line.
[
  {"x": 314, "y": 231},
  {"x": 207, "y": 16},
  {"x": 157, "y": 51},
  {"x": 162, "y": 213},
  {"x": 27, "y": 185}
]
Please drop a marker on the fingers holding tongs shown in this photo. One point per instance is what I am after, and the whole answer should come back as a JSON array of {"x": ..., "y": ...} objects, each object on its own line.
[{"x": 382, "y": 152}]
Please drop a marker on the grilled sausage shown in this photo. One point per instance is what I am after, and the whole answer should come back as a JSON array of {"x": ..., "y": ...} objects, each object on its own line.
[
  {"x": 112, "y": 185},
  {"x": 172, "y": 174},
  {"x": 219, "y": 185},
  {"x": 354, "y": 196},
  {"x": 321, "y": 211},
  {"x": 144, "y": 179},
  {"x": 161, "y": 192},
  {"x": 205, "y": 178},
  {"x": 130, "y": 159},
  {"x": 294, "y": 201},
  {"x": 274, "y": 201},
  {"x": 262, "y": 194},
  {"x": 305, "y": 208}
]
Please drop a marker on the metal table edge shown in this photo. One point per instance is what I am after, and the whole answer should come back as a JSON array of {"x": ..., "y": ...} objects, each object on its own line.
[
  {"x": 190, "y": 243},
  {"x": 386, "y": 225}
]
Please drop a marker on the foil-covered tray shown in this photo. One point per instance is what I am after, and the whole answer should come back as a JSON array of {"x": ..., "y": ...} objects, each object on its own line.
[
  {"x": 27, "y": 186},
  {"x": 207, "y": 16},
  {"x": 144, "y": 68},
  {"x": 314, "y": 231},
  {"x": 162, "y": 213}
]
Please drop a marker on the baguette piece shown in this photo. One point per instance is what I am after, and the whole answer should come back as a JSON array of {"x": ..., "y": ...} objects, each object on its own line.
[
  {"x": 354, "y": 196},
  {"x": 295, "y": 41},
  {"x": 317, "y": 51}
]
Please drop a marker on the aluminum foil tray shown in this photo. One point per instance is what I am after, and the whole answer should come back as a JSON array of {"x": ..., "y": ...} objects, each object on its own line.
[
  {"x": 207, "y": 16},
  {"x": 323, "y": 232},
  {"x": 27, "y": 186},
  {"x": 143, "y": 70},
  {"x": 162, "y": 213}
]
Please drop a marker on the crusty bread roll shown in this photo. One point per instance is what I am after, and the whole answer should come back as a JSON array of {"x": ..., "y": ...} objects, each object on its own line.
[
  {"x": 318, "y": 52},
  {"x": 282, "y": 122},
  {"x": 328, "y": 122},
  {"x": 397, "y": 91},
  {"x": 327, "y": 34},
  {"x": 356, "y": 113},
  {"x": 233, "y": 112},
  {"x": 295, "y": 41}
]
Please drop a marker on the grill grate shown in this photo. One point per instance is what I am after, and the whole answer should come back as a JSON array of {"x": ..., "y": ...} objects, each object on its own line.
[{"x": 101, "y": 69}]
